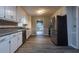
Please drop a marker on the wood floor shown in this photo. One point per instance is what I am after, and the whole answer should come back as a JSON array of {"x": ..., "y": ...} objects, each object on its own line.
[{"x": 43, "y": 44}]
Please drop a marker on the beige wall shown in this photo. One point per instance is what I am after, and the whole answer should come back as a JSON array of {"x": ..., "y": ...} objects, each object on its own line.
[
  {"x": 61, "y": 11},
  {"x": 71, "y": 21},
  {"x": 46, "y": 20},
  {"x": 22, "y": 12}
]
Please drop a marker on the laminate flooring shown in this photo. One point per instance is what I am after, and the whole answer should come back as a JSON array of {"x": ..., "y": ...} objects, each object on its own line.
[{"x": 43, "y": 44}]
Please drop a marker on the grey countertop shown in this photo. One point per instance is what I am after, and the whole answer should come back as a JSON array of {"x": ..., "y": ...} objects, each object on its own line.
[{"x": 4, "y": 32}]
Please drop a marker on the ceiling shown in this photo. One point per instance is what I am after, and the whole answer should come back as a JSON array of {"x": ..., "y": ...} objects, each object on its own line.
[{"x": 41, "y": 10}]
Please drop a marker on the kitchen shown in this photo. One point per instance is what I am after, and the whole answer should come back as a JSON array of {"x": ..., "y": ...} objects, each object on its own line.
[
  {"x": 33, "y": 29},
  {"x": 12, "y": 24},
  {"x": 18, "y": 30}
]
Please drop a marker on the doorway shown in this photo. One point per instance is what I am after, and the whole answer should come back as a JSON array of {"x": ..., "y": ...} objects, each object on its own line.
[{"x": 39, "y": 27}]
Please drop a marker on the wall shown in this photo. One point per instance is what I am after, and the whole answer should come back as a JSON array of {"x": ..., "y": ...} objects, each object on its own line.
[
  {"x": 27, "y": 19},
  {"x": 73, "y": 13},
  {"x": 77, "y": 26},
  {"x": 46, "y": 20},
  {"x": 71, "y": 23},
  {"x": 29, "y": 22},
  {"x": 21, "y": 12},
  {"x": 61, "y": 12}
]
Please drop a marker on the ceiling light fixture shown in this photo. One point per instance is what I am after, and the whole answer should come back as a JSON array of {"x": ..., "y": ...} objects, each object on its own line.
[{"x": 41, "y": 11}]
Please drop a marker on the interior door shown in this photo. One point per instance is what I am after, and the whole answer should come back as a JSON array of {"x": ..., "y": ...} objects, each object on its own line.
[{"x": 62, "y": 30}]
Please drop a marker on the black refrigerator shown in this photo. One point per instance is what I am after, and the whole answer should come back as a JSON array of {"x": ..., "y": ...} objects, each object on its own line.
[{"x": 62, "y": 39}]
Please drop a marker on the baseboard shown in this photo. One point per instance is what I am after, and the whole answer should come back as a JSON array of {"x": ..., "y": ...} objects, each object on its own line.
[
  {"x": 44, "y": 34},
  {"x": 74, "y": 46},
  {"x": 28, "y": 37}
]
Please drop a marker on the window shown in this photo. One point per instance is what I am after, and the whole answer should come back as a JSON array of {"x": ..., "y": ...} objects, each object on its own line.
[{"x": 39, "y": 27}]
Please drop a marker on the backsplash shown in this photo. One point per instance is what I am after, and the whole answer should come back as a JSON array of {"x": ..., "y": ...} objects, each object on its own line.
[{"x": 4, "y": 23}]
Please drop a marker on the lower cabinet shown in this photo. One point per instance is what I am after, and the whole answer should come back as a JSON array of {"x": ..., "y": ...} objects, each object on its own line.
[
  {"x": 10, "y": 43},
  {"x": 19, "y": 41},
  {"x": 28, "y": 33},
  {"x": 13, "y": 42},
  {"x": 4, "y": 44}
]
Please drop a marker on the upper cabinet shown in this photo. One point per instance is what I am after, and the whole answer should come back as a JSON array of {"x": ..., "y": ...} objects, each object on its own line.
[
  {"x": 8, "y": 13},
  {"x": 1, "y": 12}
]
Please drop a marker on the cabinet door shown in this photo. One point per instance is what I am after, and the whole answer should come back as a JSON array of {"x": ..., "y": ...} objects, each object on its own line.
[
  {"x": 4, "y": 45},
  {"x": 7, "y": 12},
  {"x": 1, "y": 12},
  {"x": 19, "y": 42},
  {"x": 28, "y": 32},
  {"x": 13, "y": 44},
  {"x": 10, "y": 13},
  {"x": 13, "y": 13}
]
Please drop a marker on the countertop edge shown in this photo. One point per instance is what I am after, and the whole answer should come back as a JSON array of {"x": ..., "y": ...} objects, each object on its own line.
[{"x": 5, "y": 34}]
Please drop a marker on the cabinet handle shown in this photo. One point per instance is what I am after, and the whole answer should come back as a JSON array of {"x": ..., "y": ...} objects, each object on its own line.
[
  {"x": 4, "y": 16},
  {"x": 9, "y": 41},
  {"x": 14, "y": 35},
  {"x": 12, "y": 17}
]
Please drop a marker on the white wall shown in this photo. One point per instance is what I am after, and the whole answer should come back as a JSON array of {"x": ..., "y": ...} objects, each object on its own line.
[
  {"x": 71, "y": 23},
  {"x": 77, "y": 26}
]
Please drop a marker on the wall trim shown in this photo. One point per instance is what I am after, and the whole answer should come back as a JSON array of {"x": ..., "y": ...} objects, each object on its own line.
[
  {"x": 74, "y": 46},
  {"x": 44, "y": 34}
]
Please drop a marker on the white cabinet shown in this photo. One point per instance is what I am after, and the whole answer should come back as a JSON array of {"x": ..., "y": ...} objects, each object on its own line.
[
  {"x": 19, "y": 41},
  {"x": 7, "y": 12},
  {"x": 1, "y": 12},
  {"x": 10, "y": 43},
  {"x": 4, "y": 44},
  {"x": 10, "y": 13},
  {"x": 13, "y": 42},
  {"x": 28, "y": 33}
]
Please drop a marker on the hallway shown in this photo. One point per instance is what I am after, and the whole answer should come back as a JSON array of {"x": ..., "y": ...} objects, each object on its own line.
[{"x": 43, "y": 44}]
